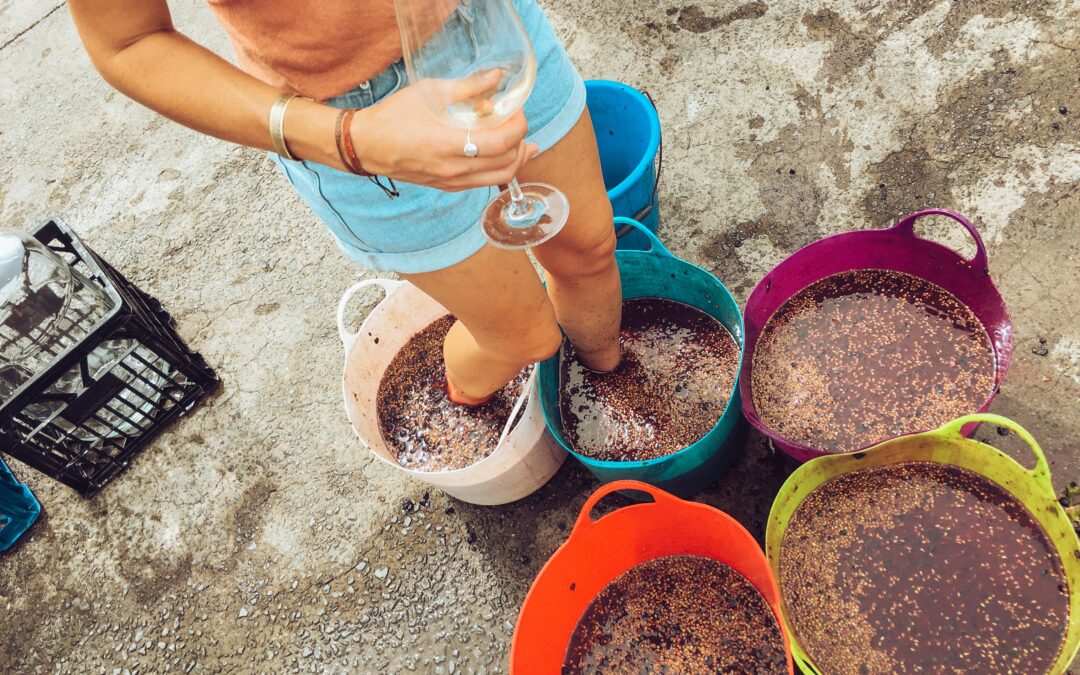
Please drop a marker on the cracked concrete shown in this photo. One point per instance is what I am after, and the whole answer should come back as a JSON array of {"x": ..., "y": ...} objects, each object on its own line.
[
  {"x": 20, "y": 18},
  {"x": 258, "y": 535}
]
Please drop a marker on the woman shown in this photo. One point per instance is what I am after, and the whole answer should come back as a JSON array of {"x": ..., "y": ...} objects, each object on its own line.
[{"x": 346, "y": 54}]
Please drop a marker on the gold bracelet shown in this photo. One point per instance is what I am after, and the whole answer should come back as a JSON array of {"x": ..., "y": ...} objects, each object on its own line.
[{"x": 277, "y": 124}]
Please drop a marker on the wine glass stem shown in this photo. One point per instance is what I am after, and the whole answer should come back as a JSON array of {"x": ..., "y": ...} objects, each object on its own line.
[{"x": 519, "y": 206}]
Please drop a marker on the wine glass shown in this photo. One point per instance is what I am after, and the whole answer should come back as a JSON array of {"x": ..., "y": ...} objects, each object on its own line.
[{"x": 461, "y": 39}]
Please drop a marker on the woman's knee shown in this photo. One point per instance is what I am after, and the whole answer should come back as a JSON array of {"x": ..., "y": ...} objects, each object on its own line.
[{"x": 588, "y": 252}]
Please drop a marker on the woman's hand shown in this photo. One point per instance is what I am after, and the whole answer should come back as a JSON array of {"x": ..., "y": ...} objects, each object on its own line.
[{"x": 399, "y": 137}]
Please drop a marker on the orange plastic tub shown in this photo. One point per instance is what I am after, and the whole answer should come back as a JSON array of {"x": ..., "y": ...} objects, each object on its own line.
[{"x": 598, "y": 551}]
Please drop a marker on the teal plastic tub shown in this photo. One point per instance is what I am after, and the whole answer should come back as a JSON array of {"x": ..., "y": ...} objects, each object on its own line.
[
  {"x": 656, "y": 273},
  {"x": 18, "y": 508}
]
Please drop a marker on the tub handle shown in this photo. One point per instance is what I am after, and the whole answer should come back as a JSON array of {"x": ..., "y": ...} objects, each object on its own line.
[
  {"x": 648, "y": 208},
  {"x": 585, "y": 517},
  {"x": 625, "y": 225},
  {"x": 522, "y": 399},
  {"x": 980, "y": 261},
  {"x": 389, "y": 286},
  {"x": 1040, "y": 474}
]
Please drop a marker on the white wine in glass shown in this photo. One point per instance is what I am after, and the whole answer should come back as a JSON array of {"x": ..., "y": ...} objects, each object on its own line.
[{"x": 459, "y": 41}]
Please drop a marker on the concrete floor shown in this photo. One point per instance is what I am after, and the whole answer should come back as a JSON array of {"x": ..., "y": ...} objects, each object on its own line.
[{"x": 259, "y": 535}]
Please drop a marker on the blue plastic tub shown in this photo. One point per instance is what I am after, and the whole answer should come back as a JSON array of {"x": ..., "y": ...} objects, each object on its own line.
[
  {"x": 18, "y": 508},
  {"x": 656, "y": 273},
  {"x": 628, "y": 136}
]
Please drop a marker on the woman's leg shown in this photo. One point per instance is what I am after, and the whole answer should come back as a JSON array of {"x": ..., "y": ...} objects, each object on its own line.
[
  {"x": 505, "y": 320},
  {"x": 582, "y": 278}
]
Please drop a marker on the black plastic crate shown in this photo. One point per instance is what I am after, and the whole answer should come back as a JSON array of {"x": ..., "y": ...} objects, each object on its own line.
[{"x": 84, "y": 438}]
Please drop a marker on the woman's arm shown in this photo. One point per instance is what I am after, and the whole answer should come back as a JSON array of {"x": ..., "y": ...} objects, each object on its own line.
[{"x": 136, "y": 49}]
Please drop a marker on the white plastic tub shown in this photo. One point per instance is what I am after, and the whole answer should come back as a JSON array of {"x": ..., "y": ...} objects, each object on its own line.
[{"x": 525, "y": 459}]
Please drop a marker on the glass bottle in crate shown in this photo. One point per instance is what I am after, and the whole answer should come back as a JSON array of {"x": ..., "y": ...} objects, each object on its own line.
[{"x": 46, "y": 307}]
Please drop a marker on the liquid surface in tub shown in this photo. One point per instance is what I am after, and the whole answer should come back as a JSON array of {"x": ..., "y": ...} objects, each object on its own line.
[
  {"x": 421, "y": 425},
  {"x": 863, "y": 356},
  {"x": 922, "y": 568},
  {"x": 676, "y": 377},
  {"x": 677, "y": 614}
]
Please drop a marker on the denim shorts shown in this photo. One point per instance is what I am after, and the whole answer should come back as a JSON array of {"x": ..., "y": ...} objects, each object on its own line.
[{"x": 426, "y": 229}]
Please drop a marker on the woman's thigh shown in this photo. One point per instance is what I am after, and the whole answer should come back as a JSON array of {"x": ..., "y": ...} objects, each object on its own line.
[
  {"x": 497, "y": 295},
  {"x": 573, "y": 166}
]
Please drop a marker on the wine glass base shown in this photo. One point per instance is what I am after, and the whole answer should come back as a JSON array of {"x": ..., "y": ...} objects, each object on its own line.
[{"x": 507, "y": 227}]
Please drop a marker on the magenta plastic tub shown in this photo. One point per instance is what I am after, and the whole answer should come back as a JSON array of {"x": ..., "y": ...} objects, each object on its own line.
[{"x": 896, "y": 248}]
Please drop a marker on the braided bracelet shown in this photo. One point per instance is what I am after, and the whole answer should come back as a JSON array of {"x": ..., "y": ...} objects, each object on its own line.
[{"x": 343, "y": 138}]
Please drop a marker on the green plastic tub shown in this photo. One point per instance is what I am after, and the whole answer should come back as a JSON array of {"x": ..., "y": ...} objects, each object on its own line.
[{"x": 947, "y": 445}]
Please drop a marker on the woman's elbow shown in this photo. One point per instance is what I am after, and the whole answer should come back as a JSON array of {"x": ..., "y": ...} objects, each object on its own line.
[{"x": 117, "y": 62}]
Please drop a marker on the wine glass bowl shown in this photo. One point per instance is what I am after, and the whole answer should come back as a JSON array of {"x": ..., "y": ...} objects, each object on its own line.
[{"x": 452, "y": 49}]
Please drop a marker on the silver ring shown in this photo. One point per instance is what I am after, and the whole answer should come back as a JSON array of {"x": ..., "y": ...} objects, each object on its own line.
[{"x": 470, "y": 148}]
